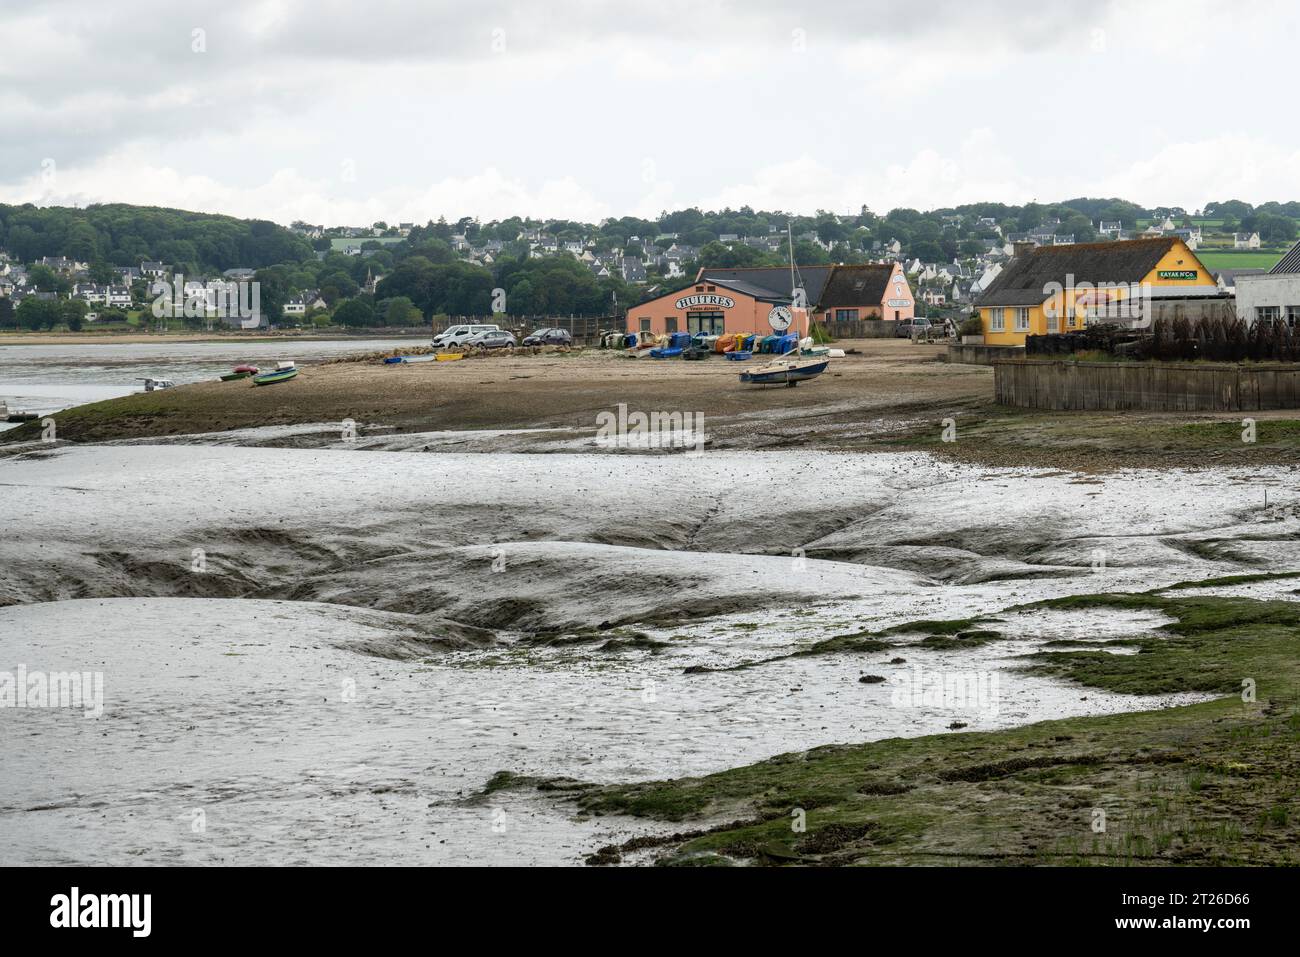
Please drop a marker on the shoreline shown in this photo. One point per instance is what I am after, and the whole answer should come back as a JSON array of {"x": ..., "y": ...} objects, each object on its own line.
[
  {"x": 887, "y": 395},
  {"x": 141, "y": 338}
]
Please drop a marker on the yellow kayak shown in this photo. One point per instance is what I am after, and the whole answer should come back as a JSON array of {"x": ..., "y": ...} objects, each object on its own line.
[{"x": 449, "y": 356}]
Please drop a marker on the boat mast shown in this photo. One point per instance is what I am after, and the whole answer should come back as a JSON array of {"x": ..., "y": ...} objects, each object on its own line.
[{"x": 794, "y": 288}]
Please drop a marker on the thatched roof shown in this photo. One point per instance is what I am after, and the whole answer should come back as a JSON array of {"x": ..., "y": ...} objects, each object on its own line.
[{"x": 1025, "y": 280}]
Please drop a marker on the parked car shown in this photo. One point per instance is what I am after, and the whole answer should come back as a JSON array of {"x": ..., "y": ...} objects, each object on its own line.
[
  {"x": 548, "y": 337},
  {"x": 919, "y": 328},
  {"x": 459, "y": 335},
  {"x": 491, "y": 339}
]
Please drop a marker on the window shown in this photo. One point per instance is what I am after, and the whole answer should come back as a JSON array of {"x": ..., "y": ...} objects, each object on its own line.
[
  {"x": 705, "y": 323},
  {"x": 1268, "y": 314},
  {"x": 645, "y": 323},
  {"x": 1292, "y": 315},
  {"x": 997, "y": 320},
  {"x": 1021, "y": 315},
  {"x": 1071, "y": 315},
  {"x": 846, "y": 315},
  {"x": 670, "y": 324},
  {"x": 712, "y": 288}
]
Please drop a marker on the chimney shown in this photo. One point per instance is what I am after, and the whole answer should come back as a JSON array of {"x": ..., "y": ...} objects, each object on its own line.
[{"x": 1023, "y": 248}]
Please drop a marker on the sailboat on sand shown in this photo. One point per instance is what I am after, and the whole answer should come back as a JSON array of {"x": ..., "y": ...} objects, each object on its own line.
[{"x": 794, "y": 367}]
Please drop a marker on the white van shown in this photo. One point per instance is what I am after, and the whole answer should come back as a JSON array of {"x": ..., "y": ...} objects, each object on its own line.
[{"x": 457, "y": 335}]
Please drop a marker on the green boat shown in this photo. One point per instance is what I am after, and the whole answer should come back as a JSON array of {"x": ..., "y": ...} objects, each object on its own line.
[
  {"x": 279, "y": 375},
  {"x": 232, "y": 376}
]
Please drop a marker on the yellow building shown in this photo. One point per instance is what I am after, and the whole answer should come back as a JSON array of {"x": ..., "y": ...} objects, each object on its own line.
[{"x": 1054, "y": 289}]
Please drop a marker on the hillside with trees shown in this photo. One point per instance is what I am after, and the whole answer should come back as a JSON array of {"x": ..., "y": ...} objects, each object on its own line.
[{"x": 549, "y": 267}]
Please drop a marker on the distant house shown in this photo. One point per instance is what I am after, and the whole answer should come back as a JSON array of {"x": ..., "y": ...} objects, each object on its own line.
[
  {"x": 299, "y": 305},
  {"x": 1227, "y": 278},
  {"x": 1190, "y": 235},
  {"x": 633, "y": 269},
  {"x": 1110, "y": 227},
  {"x": 985, "y": 279},
  {"x": 108, "y": 296},
  {"x": 61, "y": 264},
  {"x": 239, "y": 274},
  {"x": 1245, "y": 240},
  {"x": 153, "y": 270}
]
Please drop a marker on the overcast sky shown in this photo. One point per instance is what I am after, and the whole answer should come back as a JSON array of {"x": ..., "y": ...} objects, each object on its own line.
[{"x": 346, "y": 113}]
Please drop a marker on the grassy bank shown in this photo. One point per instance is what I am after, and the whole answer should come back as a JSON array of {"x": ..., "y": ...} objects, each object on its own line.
[
  {"x": 1211, "y": 783},
  {"x": 1097, "y": 441}
]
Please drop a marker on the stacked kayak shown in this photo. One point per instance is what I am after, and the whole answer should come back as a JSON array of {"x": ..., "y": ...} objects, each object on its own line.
[{"x": 678, "y": 343}]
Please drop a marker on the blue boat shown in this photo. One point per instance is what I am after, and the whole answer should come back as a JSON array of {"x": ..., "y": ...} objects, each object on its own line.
[
  {"x": 739, "y": 356},
  {"x": 786, "y": 371}
]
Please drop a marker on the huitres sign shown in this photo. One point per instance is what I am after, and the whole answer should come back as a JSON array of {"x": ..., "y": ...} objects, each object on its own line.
[{"x": 705, "y": 299}]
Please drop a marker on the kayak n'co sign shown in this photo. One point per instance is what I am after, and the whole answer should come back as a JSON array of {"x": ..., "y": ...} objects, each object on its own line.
[
  {"x": 1180, "y": 274},
  {"x": 705, "y": 300}
]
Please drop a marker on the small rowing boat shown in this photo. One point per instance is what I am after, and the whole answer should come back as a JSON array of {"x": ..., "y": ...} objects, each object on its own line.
[
  {"x": 279, "y": 375},
  {"x": 449, "y": 356},
  {"x": 786, "y": 371},
  {"x": 240, "y": 372}
]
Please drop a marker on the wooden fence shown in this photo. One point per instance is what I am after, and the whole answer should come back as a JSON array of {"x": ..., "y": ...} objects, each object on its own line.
[{"x": 1148, "y": 386}]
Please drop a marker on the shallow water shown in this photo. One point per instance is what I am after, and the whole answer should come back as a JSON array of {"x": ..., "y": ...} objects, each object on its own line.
[
  {"x": 279, "y": 722},
  {"x": 46, "y": 378}
]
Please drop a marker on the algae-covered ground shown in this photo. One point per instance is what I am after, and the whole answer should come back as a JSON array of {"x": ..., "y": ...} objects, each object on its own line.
[
  {"x": 1215, "y": 783},
  {"x": 994, "y": 435}
]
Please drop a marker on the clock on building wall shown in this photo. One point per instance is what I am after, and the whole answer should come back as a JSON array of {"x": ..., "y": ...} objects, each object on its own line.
[{"x": 780, "y": 318}]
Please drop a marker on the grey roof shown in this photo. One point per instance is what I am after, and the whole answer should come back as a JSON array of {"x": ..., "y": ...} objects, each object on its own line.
[
  {"x": 1288, "y": 263},
  {"x": 857, "y": 285},
  {"x": 775, "y": 280},
  {"x": 750, "y": 289},
  {"x": 1229, "y": 276}
]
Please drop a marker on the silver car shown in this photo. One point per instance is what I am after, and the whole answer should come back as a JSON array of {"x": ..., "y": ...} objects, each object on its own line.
[{"x": 491, "y": 339}]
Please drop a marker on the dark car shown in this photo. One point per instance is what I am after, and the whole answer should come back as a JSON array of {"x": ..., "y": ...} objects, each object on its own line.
[
  {"x": 548, "y": 337},
  {"x": 493, "y": 339}
]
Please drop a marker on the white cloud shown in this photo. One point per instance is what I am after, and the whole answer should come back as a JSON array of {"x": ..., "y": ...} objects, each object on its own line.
[
  {"x": 966, "y": 103},
  {"x": 1189, "y": 174},
  {"x": 288, "y": 194}
]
